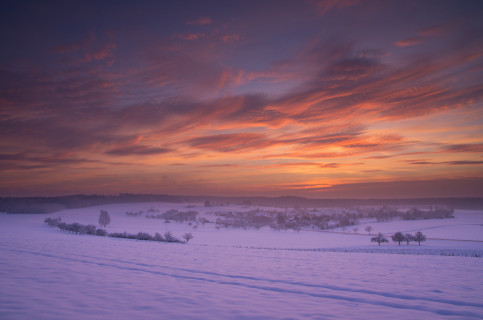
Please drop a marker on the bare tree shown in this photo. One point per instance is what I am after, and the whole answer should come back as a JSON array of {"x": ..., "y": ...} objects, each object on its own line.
[
  {"x": 408, "y": 238},
  {"x": 398, "y": 237},
  {"x": 379, "y": 239},
  {"x": 104, "y": 218},
  {"x": 187, "y": 236},
  {"x": 419, "y": 237},
  {"x": 369, "y": 229}
]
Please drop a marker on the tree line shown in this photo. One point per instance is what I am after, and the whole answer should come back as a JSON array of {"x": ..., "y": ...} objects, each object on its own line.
[
  {"x": 104, "y": 220},
  {"x": 400, "y": 237}
]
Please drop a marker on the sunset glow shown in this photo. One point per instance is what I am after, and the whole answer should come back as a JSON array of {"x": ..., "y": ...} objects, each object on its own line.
[{"x": 323, "y": 99}]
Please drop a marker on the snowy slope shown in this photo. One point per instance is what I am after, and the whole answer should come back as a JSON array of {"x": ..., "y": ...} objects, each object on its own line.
[{"x": 49, "y": 274}]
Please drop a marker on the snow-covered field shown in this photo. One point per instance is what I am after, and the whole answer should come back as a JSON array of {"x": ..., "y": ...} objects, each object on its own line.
[{"x": 236, "y": 273}]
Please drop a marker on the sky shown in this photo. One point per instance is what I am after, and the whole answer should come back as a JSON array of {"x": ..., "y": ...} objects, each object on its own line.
[{"x": 322, "y": 99}]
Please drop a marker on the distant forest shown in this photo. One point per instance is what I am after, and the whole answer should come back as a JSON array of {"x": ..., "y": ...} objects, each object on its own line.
[{"x": 53, "y": 204}]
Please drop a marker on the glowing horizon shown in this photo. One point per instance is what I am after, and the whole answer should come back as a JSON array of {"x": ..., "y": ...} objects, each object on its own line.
[{"x": 346, "y": 99}]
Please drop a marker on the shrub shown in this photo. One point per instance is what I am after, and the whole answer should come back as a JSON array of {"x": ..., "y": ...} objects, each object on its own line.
[
  {"x": 101, "y": 232},
  {"x": 144, "y": 236},
  {"x": 74, "y": 227},
  {"x": 158, "y": 237},
  {"x": 170, "y": 238},
  {"x": 118, "y": 235},
  {"x": 90, "y": 229},
  {"x": 52, "y": 222}
]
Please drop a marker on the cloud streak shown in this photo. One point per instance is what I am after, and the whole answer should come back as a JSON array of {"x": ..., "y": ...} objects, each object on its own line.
[{"x": 314, "y": 98}]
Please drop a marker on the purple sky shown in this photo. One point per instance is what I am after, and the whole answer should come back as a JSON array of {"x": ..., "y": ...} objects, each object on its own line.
[{"x": 321, "y": 99}]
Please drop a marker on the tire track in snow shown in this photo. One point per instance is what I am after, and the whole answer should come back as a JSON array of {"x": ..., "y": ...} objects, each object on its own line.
[
  {"x": 310, "y": 285},
  {"x": 147, "y": 268}
]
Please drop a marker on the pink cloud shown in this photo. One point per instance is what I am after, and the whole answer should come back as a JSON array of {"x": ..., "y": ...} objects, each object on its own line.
[
  {"x": 432, "y": 30},
  {"x": 104, "y": 53},
  {"x": 408, "y": 42},
  {"x": 201, "y": 21},
  {"x": 191, "y": 36},
  {"x": 230, "y": 38}
]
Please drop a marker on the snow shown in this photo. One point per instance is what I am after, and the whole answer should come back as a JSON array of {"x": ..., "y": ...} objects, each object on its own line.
[{"x": 236, "y": 274}]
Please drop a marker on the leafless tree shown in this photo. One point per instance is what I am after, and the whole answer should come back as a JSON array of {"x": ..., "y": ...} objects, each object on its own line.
[
  {"x": 104, "y": 218},
  {"x": 187, "y": 236},
  {"x": 369, "y": 229},
  {"x": 398, "y": 237},
  {"x": 379, "y": 239},
  {"x": 420, "y": 237}
]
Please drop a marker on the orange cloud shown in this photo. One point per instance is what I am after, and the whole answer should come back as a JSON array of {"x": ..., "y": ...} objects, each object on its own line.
[
  {"x": 230, "y": 142},
  {"x": 408, "y": 42}
]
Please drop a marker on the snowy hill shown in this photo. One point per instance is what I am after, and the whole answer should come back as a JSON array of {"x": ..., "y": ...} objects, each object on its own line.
[{"x": 227, "y": 273}]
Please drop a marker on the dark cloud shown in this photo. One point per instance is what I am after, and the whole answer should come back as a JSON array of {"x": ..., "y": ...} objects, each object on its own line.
[
  {"x": 463, "y": 162},
  {"x": 477, "y": 147},
  {"x": 352, "y": 68},
  {"x": 453, "y": 163},
  {"x": 469, "y": 187},
  {"x": 24, "y": 161}
]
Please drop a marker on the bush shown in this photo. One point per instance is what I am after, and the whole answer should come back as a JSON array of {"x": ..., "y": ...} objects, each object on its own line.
[
  {"x": 118, "y": 235},
  {"x": 62, "y": 226},
  {"x": 52, "y": 222},
  {"x": 144, "y": 236},
  {"x": 74, "y": 227},
  {"x": 101, "y": 232},
  {"x": 158, "y": 237},
  {"x": 170, "y": 238},
  {"x": 90, "y": 229}
]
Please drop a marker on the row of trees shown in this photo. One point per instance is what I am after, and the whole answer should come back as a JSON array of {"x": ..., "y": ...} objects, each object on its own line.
[
  {"x": 104, "y": 220},
  {"x": 75, "y": 227},
  {"x": 389, "y": 213},
  {"x": 168, "y": 237},
  {"x": 400, "y": 237}
]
